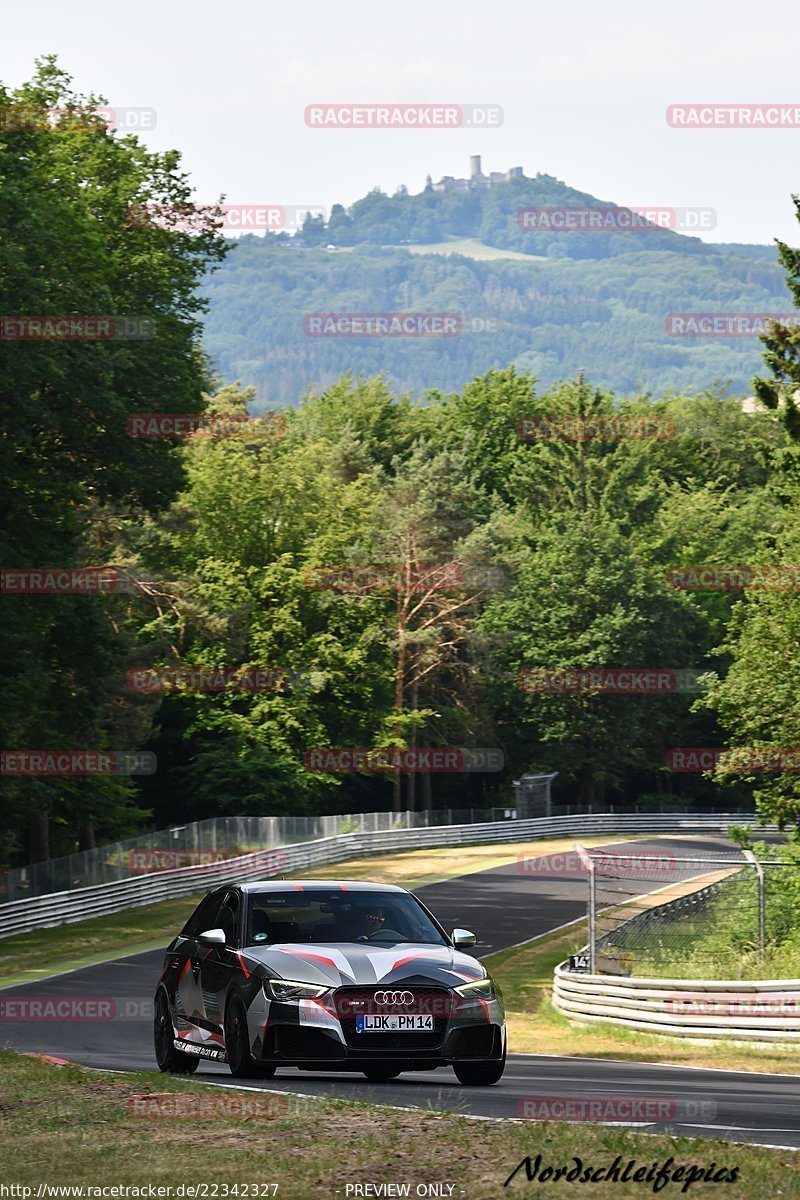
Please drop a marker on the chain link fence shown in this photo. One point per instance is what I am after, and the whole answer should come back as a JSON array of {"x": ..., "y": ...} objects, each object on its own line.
[
  {"x": 201, "y": 843},
  {"x": 725, "y": 915}
]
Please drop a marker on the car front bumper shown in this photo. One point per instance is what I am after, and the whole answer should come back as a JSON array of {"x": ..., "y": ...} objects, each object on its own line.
[{"x": 307, "y": 1032}]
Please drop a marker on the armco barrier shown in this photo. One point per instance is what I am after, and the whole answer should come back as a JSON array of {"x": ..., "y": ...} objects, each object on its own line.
[
  {"x": 760, "y": 1011},
  {"x": 61, "y": 908},
  {"x": 211, "y": 840}
]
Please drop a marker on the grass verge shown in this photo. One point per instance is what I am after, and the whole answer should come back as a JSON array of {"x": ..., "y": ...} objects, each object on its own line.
[
  {"x": 74, "y": 1127},
  {"x": 473, "y": 248}
]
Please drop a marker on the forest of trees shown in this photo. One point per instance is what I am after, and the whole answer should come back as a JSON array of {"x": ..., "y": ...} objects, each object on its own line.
[
  {"x": 581, "y": 300},
  {"x": 493, "y": 217},
  {"x": 563, "y": 546},
  {"x": 547, "y": 317}
]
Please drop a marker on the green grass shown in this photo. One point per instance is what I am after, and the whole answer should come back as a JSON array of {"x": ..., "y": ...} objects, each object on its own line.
[
  {"x": 41, "y": 952},
  {"x": 472, "y": 248},
  {"x": 76, "y": 1127},
  {"x": 720, "y": 940}
]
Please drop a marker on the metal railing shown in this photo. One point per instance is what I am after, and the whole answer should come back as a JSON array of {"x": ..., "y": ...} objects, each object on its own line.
[
  {"x": 626, "y": 928},
  {"x": 752, "y": 1011},
  {"x": 204, "y": 842},
  {"x": 77, "y": 904}
]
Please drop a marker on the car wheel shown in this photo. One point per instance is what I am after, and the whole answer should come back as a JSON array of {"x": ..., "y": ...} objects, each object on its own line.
[
  {"x": 480, "y": 1074},
  {"x": 381, "y": 1074},
  {"x": 237, "y": 1044},
  {"x": 167, "y": 1057}
]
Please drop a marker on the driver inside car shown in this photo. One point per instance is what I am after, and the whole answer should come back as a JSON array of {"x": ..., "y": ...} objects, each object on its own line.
[{"x": 370, "y": 923}]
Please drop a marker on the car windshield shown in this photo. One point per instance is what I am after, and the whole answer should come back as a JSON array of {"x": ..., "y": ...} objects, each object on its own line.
[{"x": 317, "y": 915}]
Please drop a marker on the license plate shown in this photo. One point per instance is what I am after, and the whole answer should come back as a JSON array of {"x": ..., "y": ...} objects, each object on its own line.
[{"x": 394, "y": 1023}]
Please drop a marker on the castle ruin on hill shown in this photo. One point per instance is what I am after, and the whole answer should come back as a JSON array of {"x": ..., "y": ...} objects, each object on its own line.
[{"x": 477, "y": 179}]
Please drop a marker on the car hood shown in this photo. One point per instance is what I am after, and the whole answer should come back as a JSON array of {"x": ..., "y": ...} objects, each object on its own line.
[{"x": 348, "y": 963}]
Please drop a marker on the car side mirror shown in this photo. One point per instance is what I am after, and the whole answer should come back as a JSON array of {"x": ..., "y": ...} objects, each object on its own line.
[
  {"x": 463, "y": 937},
  {"x": 212, "y": 937}
]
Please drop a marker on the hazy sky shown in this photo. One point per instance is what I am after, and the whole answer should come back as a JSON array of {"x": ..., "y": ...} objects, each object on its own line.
[{"x": 584, "y": 87}]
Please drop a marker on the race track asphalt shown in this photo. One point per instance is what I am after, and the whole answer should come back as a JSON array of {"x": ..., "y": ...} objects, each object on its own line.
[{"x": 504, "y": 907}]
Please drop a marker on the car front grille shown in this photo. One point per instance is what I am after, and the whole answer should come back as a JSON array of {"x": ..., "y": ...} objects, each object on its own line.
[
  {"x": 299, "y": 1042},
  {"x": 438, "y": 1000},
  {"x": 474, "y": 1042}
]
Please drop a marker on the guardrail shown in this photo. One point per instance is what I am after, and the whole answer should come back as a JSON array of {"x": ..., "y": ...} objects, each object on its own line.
[
  {"x": 752, "y": 1011},
  {"x": 210, "y": 840},
  {"x": 61, "y": 908}
]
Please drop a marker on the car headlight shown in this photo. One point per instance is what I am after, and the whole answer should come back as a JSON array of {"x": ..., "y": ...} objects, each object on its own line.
[
  {"x": 481, "y": 989},
  {"x": 290, "y": 989}
]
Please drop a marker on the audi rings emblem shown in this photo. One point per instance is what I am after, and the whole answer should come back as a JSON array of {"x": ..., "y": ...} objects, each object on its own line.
[{"x": 394, "y": 998}]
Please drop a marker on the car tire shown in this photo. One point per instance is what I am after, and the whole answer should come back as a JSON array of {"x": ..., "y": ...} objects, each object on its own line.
[
  {"x": 381, "y": 1074},
  {"x": 480, "y": 1074},
  {"x": 168, "y": 1058},
  {"x": 237, "y": 1044}
]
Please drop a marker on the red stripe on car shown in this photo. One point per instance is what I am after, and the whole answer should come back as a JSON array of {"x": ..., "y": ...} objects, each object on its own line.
[{"x": 306, "y": 954}]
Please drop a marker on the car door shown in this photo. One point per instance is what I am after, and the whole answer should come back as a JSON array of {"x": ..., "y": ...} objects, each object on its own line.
[
  {"x": 220, "y": 964},
  {"x": 189, "y": 1001}
]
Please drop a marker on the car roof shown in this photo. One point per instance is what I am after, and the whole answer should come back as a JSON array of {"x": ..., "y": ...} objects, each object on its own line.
[{"x": 348, "y": 885}]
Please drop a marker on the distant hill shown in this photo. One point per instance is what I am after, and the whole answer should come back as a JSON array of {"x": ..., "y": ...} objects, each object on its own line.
[{"x": 559, "y": 301}]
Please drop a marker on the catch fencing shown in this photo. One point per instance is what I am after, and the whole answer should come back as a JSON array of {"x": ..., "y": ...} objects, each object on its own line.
[
  {"x": 680, "y": 946},
  {"x": 77, "y": 904},
  {"x": 199, "y": 843},
  {"x": 700, "y": 915}
]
